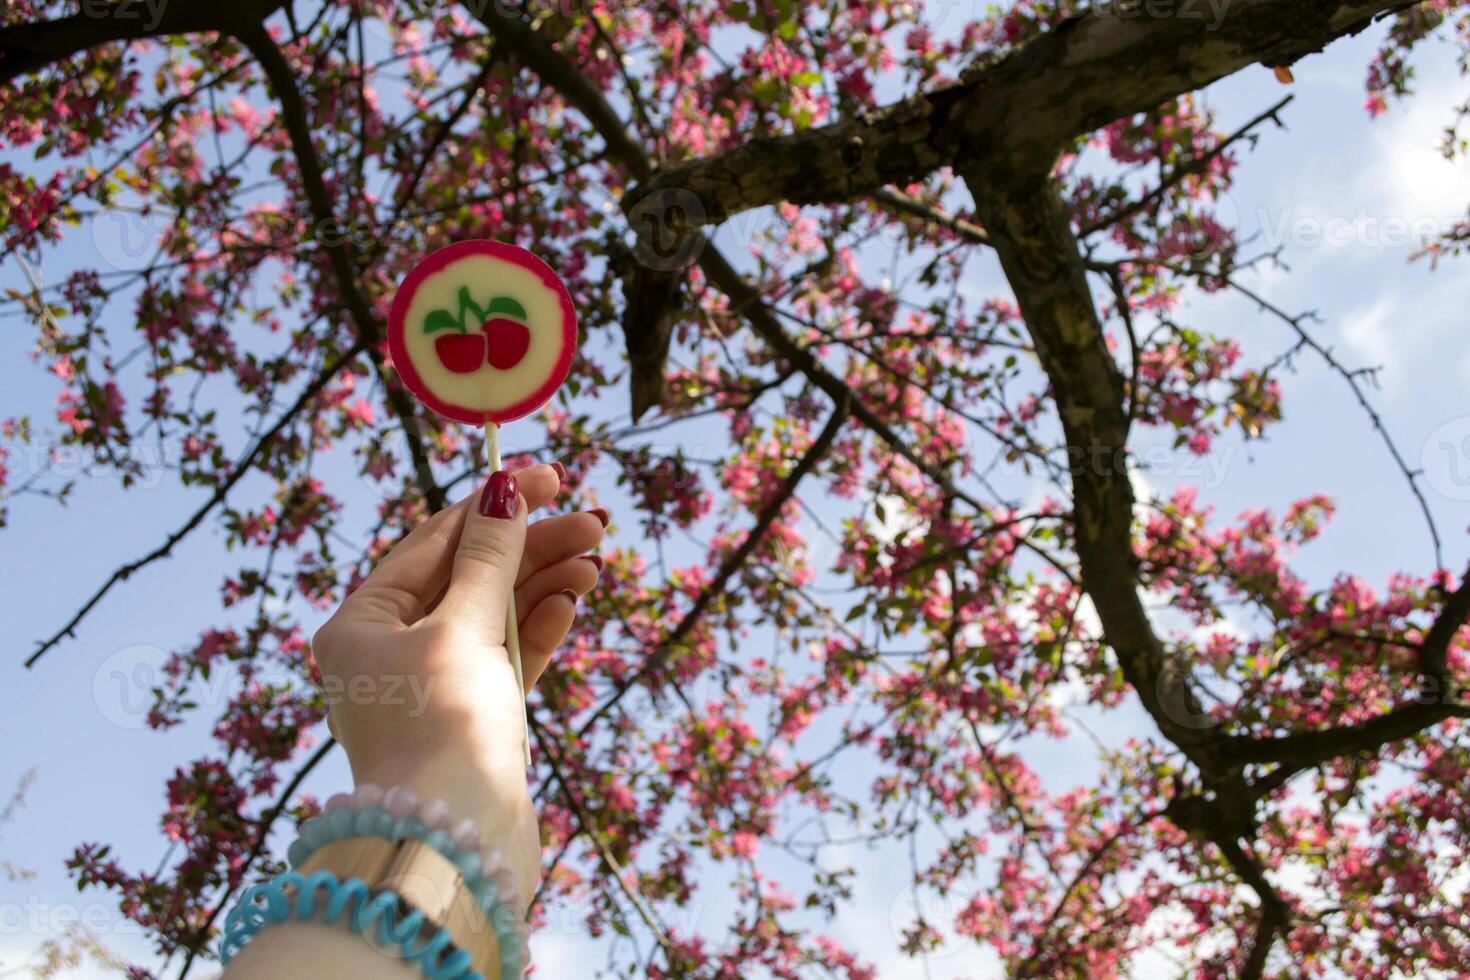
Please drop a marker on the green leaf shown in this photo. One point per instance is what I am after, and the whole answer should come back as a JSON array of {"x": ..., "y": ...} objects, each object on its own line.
[
  {"x": 507, "y": 306},
  {"x": 766, "y": 90},
  {"x": 441, "y": 320}
]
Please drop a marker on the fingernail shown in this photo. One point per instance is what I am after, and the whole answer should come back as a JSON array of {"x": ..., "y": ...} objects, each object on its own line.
[
  {"x": 500, "y": 498},
  {"x": 601, "y": 514},
  {"x": 561, "y": 471},
  {"x": 596, "y": 560},
  {"x": 570, "y": 595}
]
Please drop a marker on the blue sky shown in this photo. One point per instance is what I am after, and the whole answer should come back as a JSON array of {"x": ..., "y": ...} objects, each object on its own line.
[{"x": 101, "y": 774}]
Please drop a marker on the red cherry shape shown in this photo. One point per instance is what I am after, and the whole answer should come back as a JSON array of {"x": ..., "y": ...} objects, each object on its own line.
[
  {"x": 460, "y": 352},
  {"x": 506, "y": 342}
]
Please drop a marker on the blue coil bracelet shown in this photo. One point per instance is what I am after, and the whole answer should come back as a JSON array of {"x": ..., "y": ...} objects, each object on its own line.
[{"x": 400, "y": 875}]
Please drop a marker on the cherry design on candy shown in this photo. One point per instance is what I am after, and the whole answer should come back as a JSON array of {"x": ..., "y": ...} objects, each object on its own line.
[{"x": 502, "y": 337}]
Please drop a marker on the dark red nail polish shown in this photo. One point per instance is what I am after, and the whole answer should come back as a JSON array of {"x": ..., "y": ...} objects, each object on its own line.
[
  {"x": 570, "y": 595},
  {"x": 561, "y": 471},
  {"x": 501, "y": 496},
  {"x": 601, "y": 514},
  {"x": 596, "y": 560}
]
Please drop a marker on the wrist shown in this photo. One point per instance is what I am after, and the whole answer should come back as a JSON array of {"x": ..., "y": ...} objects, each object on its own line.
[{"x": 498, "y": 803}]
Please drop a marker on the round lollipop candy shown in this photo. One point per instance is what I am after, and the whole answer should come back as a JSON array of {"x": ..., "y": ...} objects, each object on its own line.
[{"x": 483, "y": 332}]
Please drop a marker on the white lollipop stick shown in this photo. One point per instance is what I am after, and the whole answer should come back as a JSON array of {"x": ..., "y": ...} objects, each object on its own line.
[{"x": 512, "y": 630}]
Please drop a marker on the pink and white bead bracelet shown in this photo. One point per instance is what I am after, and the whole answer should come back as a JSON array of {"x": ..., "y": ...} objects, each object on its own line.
[{"x": 399, "y": 813}]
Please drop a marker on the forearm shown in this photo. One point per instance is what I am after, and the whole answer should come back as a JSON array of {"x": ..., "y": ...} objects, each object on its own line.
[
  {"x": 507, "y": 823},
  {"x": 429, "y": 866},
  {"x": 310, "y": 950}
]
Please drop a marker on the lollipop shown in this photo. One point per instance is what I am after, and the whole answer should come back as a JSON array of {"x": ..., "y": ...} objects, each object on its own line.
[{"x": 483, "y": 332}]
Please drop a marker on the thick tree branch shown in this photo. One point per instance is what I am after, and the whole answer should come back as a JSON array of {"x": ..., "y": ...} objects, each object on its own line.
[
  {"x": 1303, "y": 750},
  {"x": 25, "y": 48},
  {"x": 1028, "y": 226},
  {"x": 533, "y": 50},
  {"x": 1275, "y": 913},
  {"x": 1024, "y": 108},
  {"x": 1434, "y": 651},
  {"x": 1267, "y": 926},
  {"x": 339, "y": 249}
]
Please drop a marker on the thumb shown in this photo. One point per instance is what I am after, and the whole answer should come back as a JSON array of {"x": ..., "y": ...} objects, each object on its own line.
[{"x": 487, "y": 559}]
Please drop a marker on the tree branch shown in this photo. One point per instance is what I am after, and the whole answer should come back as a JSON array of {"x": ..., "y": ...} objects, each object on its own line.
[
  {"x": 29, "y": 47},
  {"x": 1194, "y": 165},
  {"x": 1029, "y": 228},
  {"x": 894, "y": 201},
  {"x": 266, "y": 822},
  {"x": 1302, "y": 750},
  {"x": 732, "y": 563},
  {"x": 339, "y": 253},
  {"x": 236, "y": 474},
  {"x": 1024, "y": 108},
  {"x": 593, "y": 833}
]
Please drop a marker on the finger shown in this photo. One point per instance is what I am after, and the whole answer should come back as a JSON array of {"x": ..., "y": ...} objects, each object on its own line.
[
  {"x": 409, "y": 578},
  {"x": 486, "y": 559},
  {"x": 539, "y": 484},
  {"x": 558, "y": 538},
  {"x": 543, "y": 631},
  {"x": 576, "y": 574},
  {"x": 413, "y": 576}
]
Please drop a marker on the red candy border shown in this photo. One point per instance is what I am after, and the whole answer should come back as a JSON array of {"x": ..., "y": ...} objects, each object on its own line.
[{"x": 435, "y": 262}]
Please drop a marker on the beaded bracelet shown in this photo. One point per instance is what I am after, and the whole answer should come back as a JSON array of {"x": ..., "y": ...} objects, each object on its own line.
[
  {"x": 377, "y": 914},
  {"x": 397, "y": 814}
]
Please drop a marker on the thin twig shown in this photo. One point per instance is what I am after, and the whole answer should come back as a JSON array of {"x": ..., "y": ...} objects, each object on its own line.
[
  {"x": 265, "y": 823},
  {"x": 237, "y": 472}
]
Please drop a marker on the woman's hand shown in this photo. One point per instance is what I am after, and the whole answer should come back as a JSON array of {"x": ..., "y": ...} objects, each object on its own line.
[{"x": 420, "y": 688}]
